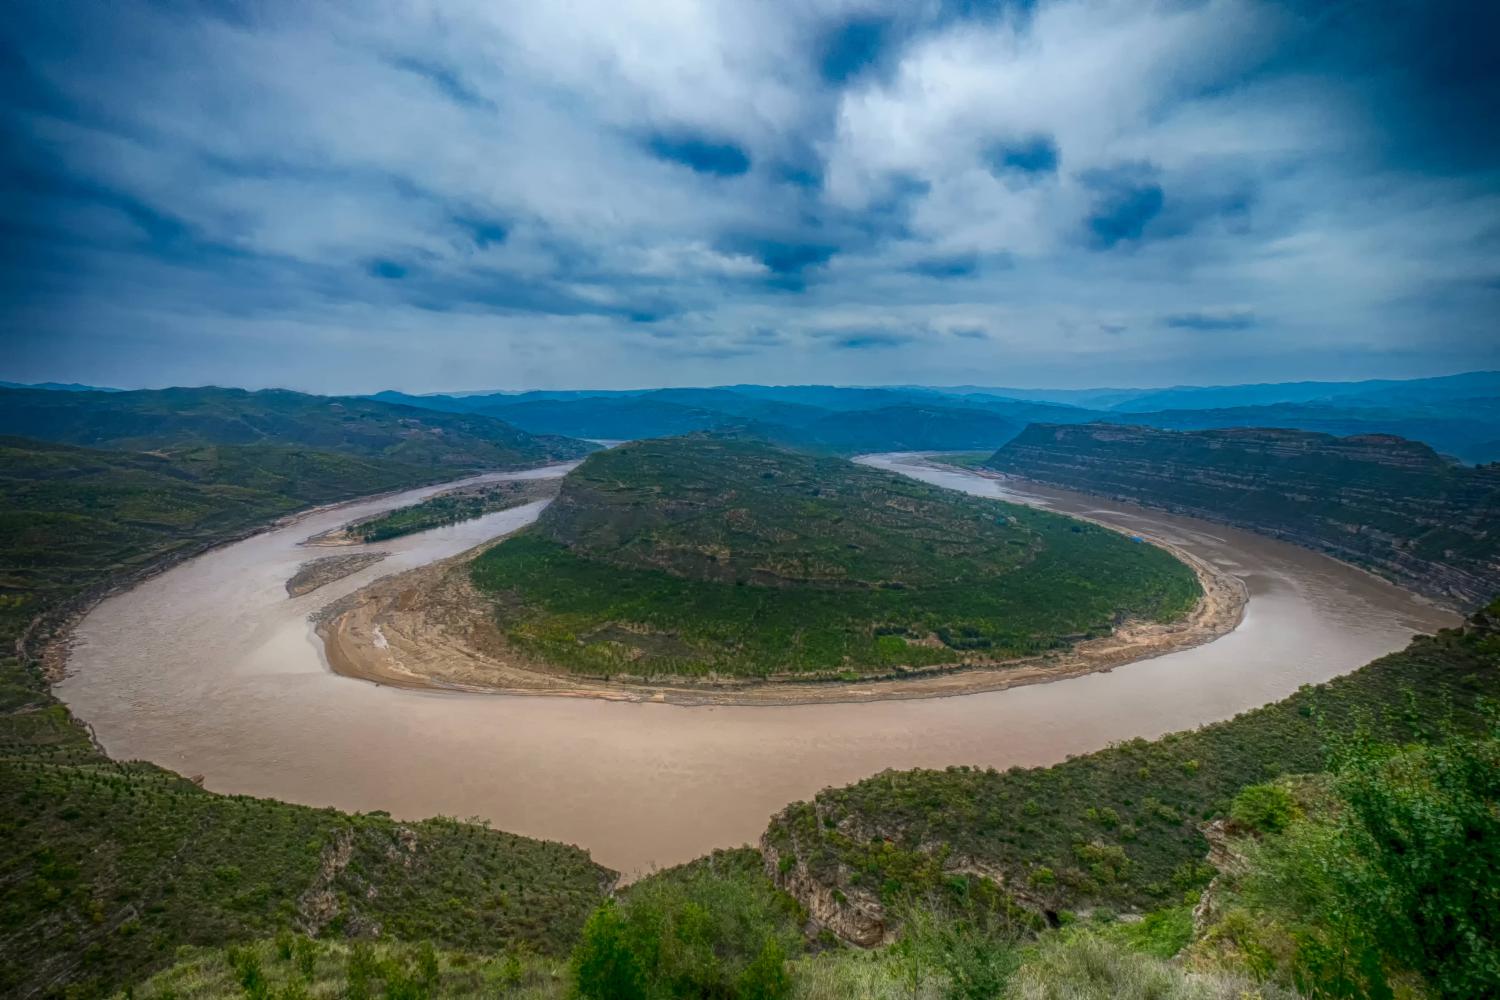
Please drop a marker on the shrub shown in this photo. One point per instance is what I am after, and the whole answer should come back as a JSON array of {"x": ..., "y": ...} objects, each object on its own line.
[
  {"x": 1398, "y": 878},
  {"x": 1265, "y": 808},
  {"x": 604, "y": 965},
  {"x": 713, "y": 928}
]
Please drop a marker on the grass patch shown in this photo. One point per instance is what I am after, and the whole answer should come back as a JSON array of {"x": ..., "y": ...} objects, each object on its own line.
[
  {"x": 964, "y": 459},
  {"x": 294, "y": 966}
]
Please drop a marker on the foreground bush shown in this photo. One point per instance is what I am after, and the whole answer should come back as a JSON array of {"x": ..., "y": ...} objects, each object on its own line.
[
  {"x": 1389, "y": 884},
  {"x": 713, "y": 928}
]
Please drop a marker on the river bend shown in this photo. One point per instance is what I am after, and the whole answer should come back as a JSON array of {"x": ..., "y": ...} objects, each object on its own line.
[{"x": 210, "y": 669}]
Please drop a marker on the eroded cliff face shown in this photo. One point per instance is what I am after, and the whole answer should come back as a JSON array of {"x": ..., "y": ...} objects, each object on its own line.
[
  {"x": 1393, "y": 506},
  {"x": 826, "y": 891}
]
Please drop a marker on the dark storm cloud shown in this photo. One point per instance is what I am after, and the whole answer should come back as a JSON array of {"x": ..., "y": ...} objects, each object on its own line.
[
  {"x": 951, "y": 266},
  {"x": 870, "y": 340},
  {"x": 485, "y": 232},
  {"x": 388, "y": 269},
  {"x": 352, "y": 196}
]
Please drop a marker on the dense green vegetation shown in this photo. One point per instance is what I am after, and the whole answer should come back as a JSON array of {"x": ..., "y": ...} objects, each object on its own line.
[
  {"x": 1119, "y": 828},
  {"x": 108, "y": 867},
  {"x": 71, "y": 518},
  {"x": 1375, "y": 878},
  {"x": 112, "y": 866},
  {"x": 1390, "y": 505},
  {"x": 368, "y": 428},
  {"x": 698, "y": 556},
  {"x": 449, "y": 508},
  {"x": 713, "y": 928}
]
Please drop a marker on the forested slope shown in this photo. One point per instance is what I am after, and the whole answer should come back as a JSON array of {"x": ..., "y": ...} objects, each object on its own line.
[
  {"x": 704, "y": 556},
  {"x": 1391, "y": 505}
]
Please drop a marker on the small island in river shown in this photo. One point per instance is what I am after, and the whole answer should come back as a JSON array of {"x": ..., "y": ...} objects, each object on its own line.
[
  {"x": 448, "y": 507},
  {"x": 317, "y": 573}
]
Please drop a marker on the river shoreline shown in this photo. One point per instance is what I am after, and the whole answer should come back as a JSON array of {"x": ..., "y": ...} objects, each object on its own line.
[
  {"x": 210, "y": 669},
  {"x": 428, "y": 629}
]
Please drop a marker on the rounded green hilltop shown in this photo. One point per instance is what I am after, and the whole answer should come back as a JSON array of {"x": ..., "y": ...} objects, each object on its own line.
[{"x": 703, "y": 556}]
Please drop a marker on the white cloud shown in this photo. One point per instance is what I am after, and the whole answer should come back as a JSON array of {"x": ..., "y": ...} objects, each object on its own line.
[{"x": 304, "y": 142}]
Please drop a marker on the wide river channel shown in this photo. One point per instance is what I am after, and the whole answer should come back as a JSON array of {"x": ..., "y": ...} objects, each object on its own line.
[{"x": 210, "y": 669}]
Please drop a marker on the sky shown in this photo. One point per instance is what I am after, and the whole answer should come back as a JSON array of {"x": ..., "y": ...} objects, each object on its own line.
[{"x": 501, "y": 195}]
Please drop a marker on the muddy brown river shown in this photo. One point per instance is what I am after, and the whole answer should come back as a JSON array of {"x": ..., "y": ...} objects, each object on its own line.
[{"x": 210, "y": 669}]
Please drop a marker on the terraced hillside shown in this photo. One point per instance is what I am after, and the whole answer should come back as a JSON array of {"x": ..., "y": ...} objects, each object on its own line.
[
  {"x": 178, "y": 419},
  {"x": 1391, "y": 505},
  {"x": 704, "y": 556}
]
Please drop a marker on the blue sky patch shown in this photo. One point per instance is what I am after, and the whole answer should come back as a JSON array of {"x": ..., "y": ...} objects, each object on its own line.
[
  {"x": 1037, "y": 155},
  {"x": 851, "y": 48},
  {"x": 701, "y": 155}
]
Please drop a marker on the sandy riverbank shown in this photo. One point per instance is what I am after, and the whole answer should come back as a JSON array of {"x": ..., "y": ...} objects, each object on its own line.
[{"x": 430, "y": 629}]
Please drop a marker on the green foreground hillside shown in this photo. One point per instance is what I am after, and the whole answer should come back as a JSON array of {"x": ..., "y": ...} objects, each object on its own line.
[
  {"x": 704, "y": 556},
  {"x": 1120, "y": 827}
]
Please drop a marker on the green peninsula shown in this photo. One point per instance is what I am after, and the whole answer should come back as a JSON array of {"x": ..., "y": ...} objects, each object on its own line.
[{"x": 706, "y": 557}]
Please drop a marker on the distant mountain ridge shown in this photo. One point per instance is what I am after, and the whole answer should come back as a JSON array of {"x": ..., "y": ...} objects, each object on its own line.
[
  {"x": 1391, "y": 505},
  {"x": 57, "y": 386},
  {"x": 1458, "y": 415}
]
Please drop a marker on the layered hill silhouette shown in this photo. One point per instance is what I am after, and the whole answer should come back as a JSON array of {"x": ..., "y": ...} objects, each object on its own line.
[{"x": 1457, "y": 415}]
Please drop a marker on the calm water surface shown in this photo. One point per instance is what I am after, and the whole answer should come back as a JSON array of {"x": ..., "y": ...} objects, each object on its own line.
[{"x": 211, "y": 669}]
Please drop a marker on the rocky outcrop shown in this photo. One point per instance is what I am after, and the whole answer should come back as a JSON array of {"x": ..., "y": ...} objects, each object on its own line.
[
  {"x": 1228, "y": 862},
  {"x": 1389, "y": 505},
  {"x": 852, "y": 915}
]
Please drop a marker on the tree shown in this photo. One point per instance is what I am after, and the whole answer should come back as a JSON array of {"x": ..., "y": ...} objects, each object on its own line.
[{"x": 604, "y": 966}]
